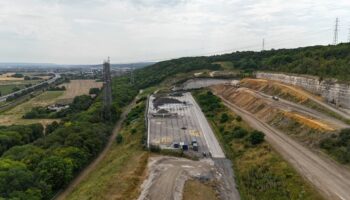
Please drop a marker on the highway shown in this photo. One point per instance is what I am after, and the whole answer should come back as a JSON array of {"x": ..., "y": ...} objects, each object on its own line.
[
  {"x": 329, "y": 177},
  {"x": 57, "y": 76}
]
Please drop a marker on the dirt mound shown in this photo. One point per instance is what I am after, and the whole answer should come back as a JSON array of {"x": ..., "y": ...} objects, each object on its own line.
[
  {"x": 276, "y": 88},
  {"x": 266, "y": 109}
]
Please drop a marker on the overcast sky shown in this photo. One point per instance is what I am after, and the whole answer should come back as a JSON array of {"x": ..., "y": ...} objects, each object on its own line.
[{"x": 87, "y": 31}]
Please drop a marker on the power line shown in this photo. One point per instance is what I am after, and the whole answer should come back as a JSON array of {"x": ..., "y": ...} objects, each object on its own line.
[{"x": 335, "y": 38}]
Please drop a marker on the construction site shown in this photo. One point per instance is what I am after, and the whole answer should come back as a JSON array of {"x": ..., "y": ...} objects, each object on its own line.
[{"x": 175, "y": 121}]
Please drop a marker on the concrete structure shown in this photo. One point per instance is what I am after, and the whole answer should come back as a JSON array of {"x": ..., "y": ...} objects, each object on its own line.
[
  {"x": 204, "y": 82},
  {"x": 333, "y": 92},
  {"x": 183, "y": 123}
]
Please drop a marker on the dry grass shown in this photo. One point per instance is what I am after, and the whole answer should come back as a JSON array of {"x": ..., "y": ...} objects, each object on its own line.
[
  {"x": 315, "y": 124},
  {"x": 263, "y": 109},
  {"x": 78, "y": 87},
  {"x": 8, "y": 77},
  {"x": 196, "y": 190}
]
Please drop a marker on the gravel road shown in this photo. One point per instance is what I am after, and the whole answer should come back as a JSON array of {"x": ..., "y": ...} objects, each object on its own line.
[{"x": 329, "y": 177}]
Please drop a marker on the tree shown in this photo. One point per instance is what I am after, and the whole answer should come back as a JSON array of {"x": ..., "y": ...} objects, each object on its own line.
[
  {"x": 14, "y": 177},
  {"x": 94, "y": 91},
  {"x": 224, "y": 118},
  {"x": 256, "y": 137},
  {"x": 119, "y": 139},
  {"x": 55, "y": 171}
]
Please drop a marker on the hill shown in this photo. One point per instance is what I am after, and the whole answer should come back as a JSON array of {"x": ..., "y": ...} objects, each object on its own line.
[{"x": 323, "y": 61}]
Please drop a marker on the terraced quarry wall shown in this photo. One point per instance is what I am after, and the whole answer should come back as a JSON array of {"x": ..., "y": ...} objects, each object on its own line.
[{"x": 331, "y": 90}]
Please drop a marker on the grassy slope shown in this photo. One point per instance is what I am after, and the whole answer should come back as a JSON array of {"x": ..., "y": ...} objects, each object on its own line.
[
  {"x": 121, "y": 172},
  {"x": 260, "y": 171},
  {"x": 14, "y": 115}
]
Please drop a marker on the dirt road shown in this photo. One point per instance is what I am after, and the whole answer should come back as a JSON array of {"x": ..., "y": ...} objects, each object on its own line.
[
  {"x": 287, "y": 105},
  {"x": 62, "y": 195},
  {"x": 167, "y": 177},
  {"x": 332, "y": 180}
]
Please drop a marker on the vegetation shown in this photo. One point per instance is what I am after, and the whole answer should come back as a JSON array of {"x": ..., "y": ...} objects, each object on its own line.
[
  {"x": 338, "y": 146},
  {"x": 18, "y": 135},
  {"x": 43, "y": 167},
  {"x": 197, "y": 190},
  {"x": 17, "y": 75},
  {"x": 57, "y": 88},
  {"x": 323, "y": 61},
  {"x": 121, "y": 172},
  {"x": 260, "y": 172}
]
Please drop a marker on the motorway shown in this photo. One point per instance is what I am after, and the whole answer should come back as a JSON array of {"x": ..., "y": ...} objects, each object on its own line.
[
  {"x": 57, "y": 76},
  {"x": 330, "y": 178}
]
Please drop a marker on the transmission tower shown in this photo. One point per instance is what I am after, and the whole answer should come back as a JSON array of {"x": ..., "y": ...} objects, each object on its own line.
[
  {"x": 132, "y": 77},
  {"x": 349, "y": 36},
  {"x": 335, "y": 38},
  {"x": 107, "y": 90},
  {"x": 263, "y": 44}
]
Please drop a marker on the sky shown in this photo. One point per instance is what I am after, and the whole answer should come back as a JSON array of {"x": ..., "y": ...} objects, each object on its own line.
[{"x": 88, "y": 31}]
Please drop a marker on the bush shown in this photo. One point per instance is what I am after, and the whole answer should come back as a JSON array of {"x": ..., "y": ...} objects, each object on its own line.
[
  {"x": 238, "y": 118},
  {"x": 239, "y": 132},
  {"x": 154, "y": 148},
  {"x": 94, "y": 91},
  {"x": 224, "y": 118},
  {"x": 256, "y": 137},
  {"x": 119, "y": 138}
]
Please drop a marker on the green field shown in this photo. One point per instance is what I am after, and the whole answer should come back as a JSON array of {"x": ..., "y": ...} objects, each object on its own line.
[
  {"x": 14, "y": 115},
  {"x": 260, "y": 171},
  {"x": 7, "y": 89}
]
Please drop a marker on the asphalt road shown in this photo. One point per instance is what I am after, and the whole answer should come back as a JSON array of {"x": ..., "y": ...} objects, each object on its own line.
[
  {"x": 329, "y": 177},
  {"x": 57, "y": 76},
  {"x": 212, "y": 142}
]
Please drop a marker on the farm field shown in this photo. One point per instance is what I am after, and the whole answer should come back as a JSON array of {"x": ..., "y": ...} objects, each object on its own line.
[
  {"x": 14, "y": 115},
  {"x": 78, "y": 87},
  {"x": 73, "y": 89}
]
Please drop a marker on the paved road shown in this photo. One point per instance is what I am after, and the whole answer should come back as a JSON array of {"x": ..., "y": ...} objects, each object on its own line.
[
  {"x": 92, "y": 166},
  {"x": 57, "y": 76},
  {"x": 212, "y": 142},
  {"x": 332, "y": 179}
]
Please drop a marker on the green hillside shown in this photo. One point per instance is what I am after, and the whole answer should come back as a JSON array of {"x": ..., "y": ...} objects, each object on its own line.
[{"x": 324, "y": 61}]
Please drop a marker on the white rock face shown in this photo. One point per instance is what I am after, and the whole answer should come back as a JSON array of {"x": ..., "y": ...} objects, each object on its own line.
[{"x": 330, "y": 89}]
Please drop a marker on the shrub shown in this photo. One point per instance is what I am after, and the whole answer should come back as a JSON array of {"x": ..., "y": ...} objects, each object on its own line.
[
  {"x": 119, "y": 138},
  {"x": 238, "y": 118},
  {"x": 224, "y": 118},
  {"x": 256, "y": 137},
  {"x": 239, "y": 132}
]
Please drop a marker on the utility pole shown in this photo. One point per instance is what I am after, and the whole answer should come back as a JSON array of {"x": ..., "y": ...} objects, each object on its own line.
[
  {"x": 107, "y": 90},
  {"x": 335, "y": 38},
  {"x": 263, "y": 44}
]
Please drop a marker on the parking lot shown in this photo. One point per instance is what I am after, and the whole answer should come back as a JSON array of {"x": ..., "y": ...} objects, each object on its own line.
[{"x": 177, "y": 122}]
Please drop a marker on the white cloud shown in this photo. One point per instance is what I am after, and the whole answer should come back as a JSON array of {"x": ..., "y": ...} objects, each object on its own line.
[{"x": 86, "y": 31}]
